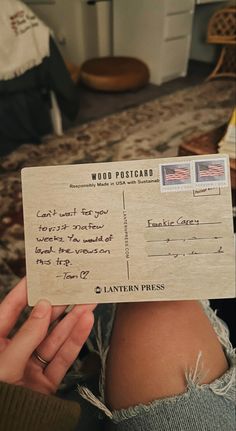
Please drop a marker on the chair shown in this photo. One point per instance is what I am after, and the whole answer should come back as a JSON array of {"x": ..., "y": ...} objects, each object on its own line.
[
  {"x": 56, "y": 117},
  {"x": 222, "y": 31}
]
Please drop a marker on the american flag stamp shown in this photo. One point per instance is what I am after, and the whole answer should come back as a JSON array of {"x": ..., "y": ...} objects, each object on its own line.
[
  {"x": 210, "y": 172},
  {"x": 176, "y": 176}
]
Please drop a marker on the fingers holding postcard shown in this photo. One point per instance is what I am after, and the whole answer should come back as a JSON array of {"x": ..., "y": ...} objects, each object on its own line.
[{"x": 129, "y": 231}]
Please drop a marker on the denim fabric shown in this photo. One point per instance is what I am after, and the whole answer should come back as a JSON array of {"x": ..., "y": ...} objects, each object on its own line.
[{"x": 203, "y": 407}]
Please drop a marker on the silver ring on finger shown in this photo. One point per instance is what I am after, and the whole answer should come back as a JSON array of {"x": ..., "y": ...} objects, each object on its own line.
[{"x": 41, "y": 359}]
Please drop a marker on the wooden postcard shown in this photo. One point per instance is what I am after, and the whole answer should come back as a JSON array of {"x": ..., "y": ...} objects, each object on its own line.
[{"x": 143, "y": 230}]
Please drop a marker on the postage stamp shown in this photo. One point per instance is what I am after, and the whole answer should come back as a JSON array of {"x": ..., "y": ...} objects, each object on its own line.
[
  {"x": 210, "y": 173},
  {"x": 176, "y": 176}
]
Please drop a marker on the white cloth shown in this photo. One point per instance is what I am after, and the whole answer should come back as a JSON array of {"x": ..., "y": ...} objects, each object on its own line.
[{"x": 24, "y": 39}]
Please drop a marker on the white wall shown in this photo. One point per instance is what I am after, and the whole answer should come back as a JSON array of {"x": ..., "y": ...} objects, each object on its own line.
[{"x": 75, "y": 25}]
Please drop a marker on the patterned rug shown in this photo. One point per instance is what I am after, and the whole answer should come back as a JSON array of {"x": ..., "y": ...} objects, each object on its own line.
[{"x": 154, "y": 129}]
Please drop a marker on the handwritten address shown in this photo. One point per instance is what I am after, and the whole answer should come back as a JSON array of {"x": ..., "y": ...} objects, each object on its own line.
[{"x": 164, "y": 245}]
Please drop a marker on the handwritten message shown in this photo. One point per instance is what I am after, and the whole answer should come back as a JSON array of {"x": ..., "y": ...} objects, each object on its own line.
[{"x": 59, "y": 243}]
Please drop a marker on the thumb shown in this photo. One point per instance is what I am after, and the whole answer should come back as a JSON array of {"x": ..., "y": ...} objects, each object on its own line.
[{"x": 30, "y": 335}]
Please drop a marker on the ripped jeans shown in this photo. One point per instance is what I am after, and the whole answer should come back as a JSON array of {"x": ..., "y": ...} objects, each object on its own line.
[{"x": 203, "y": 407}]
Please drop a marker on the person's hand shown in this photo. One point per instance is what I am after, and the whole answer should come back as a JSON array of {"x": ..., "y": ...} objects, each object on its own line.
[{"x": 34, "y": 357}]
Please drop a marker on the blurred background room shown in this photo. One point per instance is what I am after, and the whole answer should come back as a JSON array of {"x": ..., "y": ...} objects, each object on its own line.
[{"x": 108, "y": 80}]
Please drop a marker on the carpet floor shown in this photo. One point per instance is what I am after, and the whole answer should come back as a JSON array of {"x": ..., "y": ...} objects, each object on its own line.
[{"x": 151, "y": 130}]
